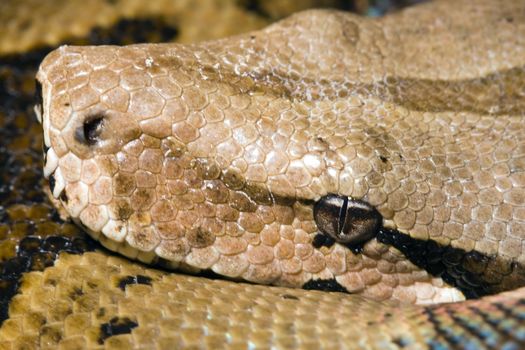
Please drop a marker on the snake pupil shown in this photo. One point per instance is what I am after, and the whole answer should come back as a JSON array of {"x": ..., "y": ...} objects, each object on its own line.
[{"x": 346, "y": 220}]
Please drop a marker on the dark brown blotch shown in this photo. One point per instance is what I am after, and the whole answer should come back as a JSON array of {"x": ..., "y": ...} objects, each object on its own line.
[
  {"x": 329, "y": 285},
  {"x": 200, "y": 238},
  {"x": 143, "y": 198},
  {"x": 233, "y": 179},
  {"x": 124, "y": 210},
  {"x": 124, "y": 184},
  {"x": 259, "y": 193},
  {"x": 138, "y": 279},
  {"x": 116, "y": 326}
]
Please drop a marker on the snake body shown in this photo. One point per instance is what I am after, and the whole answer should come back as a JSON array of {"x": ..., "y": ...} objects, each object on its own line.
[{"x": 211, "y": 156}]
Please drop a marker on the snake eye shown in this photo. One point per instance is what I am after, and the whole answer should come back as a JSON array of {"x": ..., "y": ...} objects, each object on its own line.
[
  {"x": 346, "y": 220},
  {"x": 89, "y": 132}
]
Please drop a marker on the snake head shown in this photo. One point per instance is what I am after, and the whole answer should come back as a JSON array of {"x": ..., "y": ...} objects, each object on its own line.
[{"x": 181, "y": 154}]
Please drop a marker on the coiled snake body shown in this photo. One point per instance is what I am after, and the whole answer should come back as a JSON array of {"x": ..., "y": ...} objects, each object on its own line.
[{"x": 378, "y": 157}]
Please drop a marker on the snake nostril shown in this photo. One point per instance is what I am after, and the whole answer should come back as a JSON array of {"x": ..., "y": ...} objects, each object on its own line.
[
  {"x": 89, "y": 132},
  {"x": 346, "y": 220}
]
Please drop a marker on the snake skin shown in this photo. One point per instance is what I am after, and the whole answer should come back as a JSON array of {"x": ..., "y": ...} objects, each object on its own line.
[{"x": 210, "y": 156}]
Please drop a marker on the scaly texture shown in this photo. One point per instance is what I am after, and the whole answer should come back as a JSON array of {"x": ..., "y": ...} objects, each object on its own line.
[
  {"x": 210, "y": 155},
  {"x": 73, "y": 303},
  {"x": 410, "y": 116}
]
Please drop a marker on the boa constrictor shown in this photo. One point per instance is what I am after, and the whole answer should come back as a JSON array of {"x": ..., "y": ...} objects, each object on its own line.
[{"x": 384, "y": 158}]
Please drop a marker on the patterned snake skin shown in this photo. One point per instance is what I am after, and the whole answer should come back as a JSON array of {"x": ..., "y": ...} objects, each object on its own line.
[{"x": 236, "y": 156}]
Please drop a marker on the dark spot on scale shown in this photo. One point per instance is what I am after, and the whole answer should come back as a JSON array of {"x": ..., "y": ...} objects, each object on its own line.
[
  {"x": 52, "y": 182},
  {"x": 66, "y": 104},
  {"x": 101, "y": 312},
  {"x": 252, "y": 37},
  {"x": 289, "y": 296},
  {"x": 138, "y": 279},
  {"x": 124, "y": 211},
  {"x": 200, "y": 237},
  {"x": 321, "y": 240},
  {"x": 116, "y": 326},
  {"x": 383, "y": 159},
  {"x": 401, "y": 342},
  {"x": 322, "y": 140},
  {"x": 330, "y": 285},
  {"x": 89, "y": 132},
  {"x": 76, "y": 293},
  {"x": 51, "y": 282}
]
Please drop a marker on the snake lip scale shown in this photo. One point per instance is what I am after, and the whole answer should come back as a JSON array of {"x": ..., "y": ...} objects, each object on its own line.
[{"x": 380, "y": 157}]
